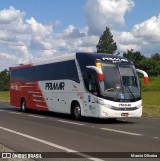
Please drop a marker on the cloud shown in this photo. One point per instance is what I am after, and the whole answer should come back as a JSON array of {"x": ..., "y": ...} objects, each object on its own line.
[
  {"x": 19, "y": 37},
  {"x": 7, "y": 56},
  {"x": 102, "y": 13},
  {"x": 6, "y": 60},
  {"x": 23, "y": 41},
  {"x": 38, "y": 43},
  {"x": 57, "y": 23},
  {"x": 148, "y": 30},
  {"x": 72, "y": 32},
  {"x": 144, "y": 37},
  {"x": 10, "y": 15},
  {"x": 39, "y": 29}
]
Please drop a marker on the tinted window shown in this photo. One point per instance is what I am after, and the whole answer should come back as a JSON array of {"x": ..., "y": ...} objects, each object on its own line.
[{"x": 54, "y": 71}]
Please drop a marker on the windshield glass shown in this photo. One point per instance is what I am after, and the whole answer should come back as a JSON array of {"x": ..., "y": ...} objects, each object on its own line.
[{"x": 120, "y": 82}]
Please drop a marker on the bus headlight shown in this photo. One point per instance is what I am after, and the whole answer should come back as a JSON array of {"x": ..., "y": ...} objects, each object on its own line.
[
  {"x": 108, "y": 106},
  {"x": 139, "y": 106},
  {"x": 101, "y": 102}
]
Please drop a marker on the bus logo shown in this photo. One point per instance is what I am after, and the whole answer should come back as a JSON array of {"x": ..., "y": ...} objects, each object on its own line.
[
  {"x": 55, "y": 86},
  {"x": 116, "y": 59}
]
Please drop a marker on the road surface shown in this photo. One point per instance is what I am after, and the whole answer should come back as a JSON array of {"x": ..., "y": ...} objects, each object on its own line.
[{"x": 87, "y": 139}]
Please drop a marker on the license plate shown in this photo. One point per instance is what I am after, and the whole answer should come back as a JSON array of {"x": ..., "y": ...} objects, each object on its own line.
[{"x": 124, "y": 114}]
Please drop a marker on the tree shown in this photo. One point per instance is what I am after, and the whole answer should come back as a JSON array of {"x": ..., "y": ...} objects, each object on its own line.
[
  {"x": 136, "y": 56},
  {"x": 106, "y": 43},
  {"x": 4, "y": 80},
  {"x": 155, "y": 56},
  {"x": 151, "y": 66}
]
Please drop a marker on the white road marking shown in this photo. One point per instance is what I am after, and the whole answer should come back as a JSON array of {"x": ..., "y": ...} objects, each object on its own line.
[
  {"x": 51, "y": 144},
  {"x": 123, "y": 132},
  {"x": 155, "y": 137},
  {"x": 68, "y": 122},
  {"x": 40, "y": 117},
  {"x": 17, "y": 113},
  {"x": 1, "y": 110}
]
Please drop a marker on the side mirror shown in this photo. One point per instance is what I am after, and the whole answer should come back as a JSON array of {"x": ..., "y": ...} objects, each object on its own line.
[
  {"x": 145, "y": 75},
  {"x": 98, "y": 70}
]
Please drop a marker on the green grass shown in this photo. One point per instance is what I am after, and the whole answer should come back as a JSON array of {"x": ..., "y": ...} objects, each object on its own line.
[
  {"x": 151, "y": 97},
  {"x": 151, "y": 103},
  {"x": 4, "y": 96},
  {"x": 153, "y": 85}
]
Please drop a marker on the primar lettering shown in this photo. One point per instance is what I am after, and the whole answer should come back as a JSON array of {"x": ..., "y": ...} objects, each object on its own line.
[
  {"x": 116, "y": 59},
  {"x": 55, "y": 86},
  {"x": 124, "y": 105}
]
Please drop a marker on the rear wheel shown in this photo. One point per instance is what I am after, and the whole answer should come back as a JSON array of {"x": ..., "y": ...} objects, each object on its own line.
[
  {"x": 76, "y": 111},
  {"x": 23, "y": 105}
]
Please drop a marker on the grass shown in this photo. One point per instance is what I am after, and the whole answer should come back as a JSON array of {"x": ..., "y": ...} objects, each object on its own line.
[
  {"x": 150, "y": 97},
  {"x": 4, "y": 96},
  {"x": 151, "y": 103},
  {"x": 153, "y": 85}
]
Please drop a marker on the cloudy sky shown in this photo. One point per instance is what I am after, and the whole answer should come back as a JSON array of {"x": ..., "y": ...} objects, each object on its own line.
[{"x": 40, "y": 29}]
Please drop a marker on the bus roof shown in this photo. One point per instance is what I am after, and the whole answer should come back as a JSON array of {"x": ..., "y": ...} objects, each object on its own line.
[
  {"x": 95, "y": 56},
  {"x": 105, "y": 57}
]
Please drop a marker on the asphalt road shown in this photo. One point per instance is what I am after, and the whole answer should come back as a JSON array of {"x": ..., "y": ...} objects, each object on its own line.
[{"x": 87, "y": 139}]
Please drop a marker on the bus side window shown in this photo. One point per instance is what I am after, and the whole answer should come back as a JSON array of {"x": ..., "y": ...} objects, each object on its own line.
[{"x": 92, "y": 84}]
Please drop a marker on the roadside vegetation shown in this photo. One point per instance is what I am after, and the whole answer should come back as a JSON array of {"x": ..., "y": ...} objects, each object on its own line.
[
  {"x": 4, "y": 96},
  {"x": 151, "y": 97}
]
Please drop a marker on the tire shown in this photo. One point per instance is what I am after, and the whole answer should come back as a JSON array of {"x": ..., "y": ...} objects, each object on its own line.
[
  {"x": 76, "y": 111},
  {"x": 23, "y": 105}
]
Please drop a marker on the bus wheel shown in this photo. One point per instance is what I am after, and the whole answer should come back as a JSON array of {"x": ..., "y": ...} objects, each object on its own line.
[
  {"x": 23, "y": 105},
  {"x": 76, "y": 111}
]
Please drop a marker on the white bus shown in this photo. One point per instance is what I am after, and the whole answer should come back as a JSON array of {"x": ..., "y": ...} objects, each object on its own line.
[{"x": 81, "y": 84}]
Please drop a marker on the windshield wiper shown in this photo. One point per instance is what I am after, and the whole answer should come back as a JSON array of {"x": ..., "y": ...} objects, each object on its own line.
[
  {"x": 124, "y": 90},
  {"x": 131, "y": 93}
]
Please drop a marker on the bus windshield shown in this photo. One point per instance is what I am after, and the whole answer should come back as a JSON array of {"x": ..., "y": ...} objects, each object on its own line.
[{"x": 120, "y": 82}]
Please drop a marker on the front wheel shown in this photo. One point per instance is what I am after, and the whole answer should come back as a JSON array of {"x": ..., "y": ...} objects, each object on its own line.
[
  {"x": 76, "y": 111},
  {"x": 23, "y": 105}
]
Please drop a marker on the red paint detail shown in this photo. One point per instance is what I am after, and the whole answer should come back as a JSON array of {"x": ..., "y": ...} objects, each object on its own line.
[
  {"x": 22, "y": 66},
  {"x": 100, "y": 77},
  {"x": 74, "y": 86},
  {"x": 80, "y": 95},
  {"x": 146, "y": 80},
  {"x": 31, "y": 92}
]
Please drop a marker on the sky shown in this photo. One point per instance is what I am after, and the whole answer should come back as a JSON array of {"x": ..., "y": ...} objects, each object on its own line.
[{"x": 39, "y": 29}]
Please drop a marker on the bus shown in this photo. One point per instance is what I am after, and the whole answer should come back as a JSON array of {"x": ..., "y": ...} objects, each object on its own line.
[{"x": 81, "y": 84}]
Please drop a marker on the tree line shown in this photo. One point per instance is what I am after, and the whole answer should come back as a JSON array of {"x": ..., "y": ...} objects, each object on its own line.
[
  {"x": 150, "y": 65},
  {"x": 106, "y": 45},
  {"x": 4, "y": 80}
]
